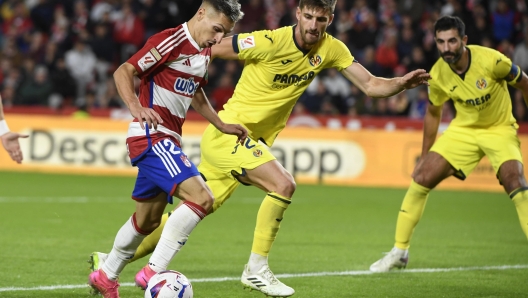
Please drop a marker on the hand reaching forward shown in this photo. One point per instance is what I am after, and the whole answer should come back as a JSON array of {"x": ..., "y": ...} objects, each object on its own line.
[
  {"x": 146, "y": 114},
  {"x": 237, "y": 130},
  {"x": 11, "y": 145},
  {"x": 415, "y": 78}
]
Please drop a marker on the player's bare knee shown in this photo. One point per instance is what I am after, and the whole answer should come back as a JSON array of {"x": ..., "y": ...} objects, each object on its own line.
[
  {"x": 149, "y": 224},
  {"x": 286, "y": 187},
  {"x": 512, "y": 181},
  {"x": 204, "y": 198},
  {"x": 420, "y": 177}
]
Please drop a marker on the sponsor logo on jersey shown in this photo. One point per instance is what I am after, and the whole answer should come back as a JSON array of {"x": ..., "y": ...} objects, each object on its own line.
[
  {"x": 257, "y": 153},
  {"x": 186, "y": 86},
  {"x": 147, "y": 61},
  {"x": 185, "y": 161},
  {"x": 246, "y": 43},
  {"x": 481, "y": 84},
  {"x": 315, "y": 60},
  {"x": 292, "y": 79},
  {"x": 475, "y": 101}
]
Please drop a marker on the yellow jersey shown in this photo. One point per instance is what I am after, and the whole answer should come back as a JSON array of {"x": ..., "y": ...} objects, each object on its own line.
[
  {"x": 276, "y": 72},
  {"x": 480, "y": 94}
]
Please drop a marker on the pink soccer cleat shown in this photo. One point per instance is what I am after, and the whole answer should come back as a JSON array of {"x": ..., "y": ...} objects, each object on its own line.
[
  {"x": 102, "y": 285},
  {"x": 143, "y": 276}
]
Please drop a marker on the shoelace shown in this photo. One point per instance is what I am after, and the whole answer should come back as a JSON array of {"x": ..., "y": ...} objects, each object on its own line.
[{"x": 270, "y": 276}]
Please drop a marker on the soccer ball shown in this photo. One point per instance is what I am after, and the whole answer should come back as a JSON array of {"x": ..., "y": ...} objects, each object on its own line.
[{"x": 169, "y": 284}]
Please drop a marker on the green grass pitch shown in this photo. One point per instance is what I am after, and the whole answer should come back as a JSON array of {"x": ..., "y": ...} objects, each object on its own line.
[{"x": 50, "y": 223}]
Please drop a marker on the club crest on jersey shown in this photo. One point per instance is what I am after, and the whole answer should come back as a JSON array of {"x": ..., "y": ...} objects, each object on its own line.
[
  {"x": 257, "y": 153},
  {"x": 186, "y": 86},
  {"x": 481, "y": 84},
  {"x": 246, "y": 43},
  {"x": 185, "y": 160},
  {"x": 315, "y": 60}
]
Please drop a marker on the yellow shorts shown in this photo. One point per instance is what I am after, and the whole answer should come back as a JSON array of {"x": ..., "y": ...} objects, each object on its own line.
[
  {"x": 463, "y": 147},
  {"x": 222, "y": 159}
]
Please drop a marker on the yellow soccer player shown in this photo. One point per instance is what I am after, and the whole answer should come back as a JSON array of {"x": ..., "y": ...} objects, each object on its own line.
[
  {"x": 280, "y": 64},
  {"x": 476, "y": 79}
]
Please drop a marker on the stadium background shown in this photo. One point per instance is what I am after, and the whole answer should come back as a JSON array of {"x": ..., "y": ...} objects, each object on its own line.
[{"x": 58, "y": 57}]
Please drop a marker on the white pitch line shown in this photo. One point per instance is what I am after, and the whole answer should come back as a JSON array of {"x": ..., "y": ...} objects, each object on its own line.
[
  {"x": 63, "y": 200},
  {"x": 287, "y": 275}
]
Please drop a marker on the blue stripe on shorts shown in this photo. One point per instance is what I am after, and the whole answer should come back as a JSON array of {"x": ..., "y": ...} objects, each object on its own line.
[{"x": 161, "y": 169}]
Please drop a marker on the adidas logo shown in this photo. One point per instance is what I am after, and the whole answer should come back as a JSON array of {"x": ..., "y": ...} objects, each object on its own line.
[
  {"x": 256, "y": 281},
  {"x": 187, "y": 63}
]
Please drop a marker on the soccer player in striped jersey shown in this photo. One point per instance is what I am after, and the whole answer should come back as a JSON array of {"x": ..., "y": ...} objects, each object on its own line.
[
  {"x": 279, "y": 66},
  {"x": 172, "y": 67},
  {"x": 9, "y": 138},
  {"x": 476, "y": 79}
]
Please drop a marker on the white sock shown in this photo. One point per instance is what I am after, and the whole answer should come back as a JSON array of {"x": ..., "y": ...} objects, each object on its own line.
[
  {"x": 175, "y": 233},
  {"x": 256, "y": 262},
  {"x": 126, "y": 243},
  {"x": 399, "y": 250}
]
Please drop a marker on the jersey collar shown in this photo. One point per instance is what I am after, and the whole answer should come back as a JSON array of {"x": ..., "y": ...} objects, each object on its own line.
[
  {"x": 189, "y": 37},
  {"x": 296, "y": 44},
  {"x": 463, "y": 75}
]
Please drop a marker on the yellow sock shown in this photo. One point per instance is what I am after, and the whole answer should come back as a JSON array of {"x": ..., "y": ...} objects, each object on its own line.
[
  {"x": 411, "y": 211},
  {"x": 520, "y": 199},
  {"x": 269, "y": 218},
  {"x": 148, "y": 244}
]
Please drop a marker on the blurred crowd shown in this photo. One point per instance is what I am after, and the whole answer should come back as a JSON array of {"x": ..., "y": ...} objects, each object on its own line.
[{"x": 63, "y": 53}]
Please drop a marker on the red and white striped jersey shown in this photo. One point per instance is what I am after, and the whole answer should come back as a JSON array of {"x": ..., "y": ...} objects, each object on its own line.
[{"x": 172, "y": 67}]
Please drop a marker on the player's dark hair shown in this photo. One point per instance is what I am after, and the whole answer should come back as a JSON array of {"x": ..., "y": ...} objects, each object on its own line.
[
  {"x": 325, "y": 5},
  {"x": 230, "y": 8},
  {"x": 448, "y": 22}
]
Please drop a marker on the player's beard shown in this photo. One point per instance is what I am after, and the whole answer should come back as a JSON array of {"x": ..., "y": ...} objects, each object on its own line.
[
  {"x": 308, "y": 38},
  {"x": 453, "y": 57}
]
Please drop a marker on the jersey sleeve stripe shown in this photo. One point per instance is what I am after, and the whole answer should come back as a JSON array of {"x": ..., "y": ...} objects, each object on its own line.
[
  {"x": 169, "y": 49},
  {"x": 175, "y": 35},
  {"x": 234, "y": 41},
  {"x": 170, "y": 44}
]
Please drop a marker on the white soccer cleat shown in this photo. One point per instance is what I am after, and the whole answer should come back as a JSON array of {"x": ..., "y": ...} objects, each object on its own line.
[
  {"x": 97, "y": 260},
  {"x": 266, "y": 282},
  {"x": 396, "y": 258}
]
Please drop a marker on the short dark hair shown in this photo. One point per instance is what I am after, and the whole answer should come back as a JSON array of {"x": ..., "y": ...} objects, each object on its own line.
[
  {"x": 230, "y": 8},
  {"x": 448, "y": 22},
  {"x": 326, "y": 5}
]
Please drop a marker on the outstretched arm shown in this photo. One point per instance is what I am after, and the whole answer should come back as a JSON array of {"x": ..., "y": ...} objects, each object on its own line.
[
  {"x": 124, "y": 80},
  {"x": 201, "y": 104},
  {"x": 382, "y": 87},
  {"x": 10, "y": 139},
  {"x": 224, "y": 49}
]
